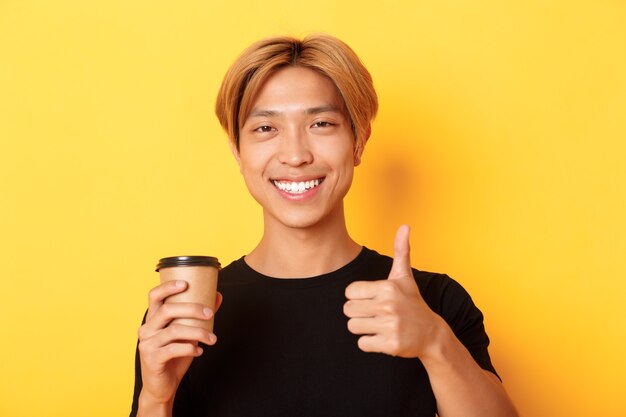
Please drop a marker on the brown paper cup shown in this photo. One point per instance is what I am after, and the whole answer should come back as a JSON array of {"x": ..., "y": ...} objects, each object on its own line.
[{"x": 200, "y": 272}]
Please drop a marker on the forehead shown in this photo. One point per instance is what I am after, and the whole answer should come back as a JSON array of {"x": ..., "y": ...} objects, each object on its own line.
[{"x": 296, "y": 87}]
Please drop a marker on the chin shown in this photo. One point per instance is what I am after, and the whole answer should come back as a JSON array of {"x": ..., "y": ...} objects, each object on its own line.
[
  {"x": 298, "y": 220},
  {"x": 300, "y": 223}
]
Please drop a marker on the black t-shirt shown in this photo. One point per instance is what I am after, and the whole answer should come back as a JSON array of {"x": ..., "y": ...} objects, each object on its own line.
[{"x": 284, "y": 349}]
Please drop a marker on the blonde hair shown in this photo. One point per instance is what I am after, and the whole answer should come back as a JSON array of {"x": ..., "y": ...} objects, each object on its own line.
[{"x": 322, "y": 53}]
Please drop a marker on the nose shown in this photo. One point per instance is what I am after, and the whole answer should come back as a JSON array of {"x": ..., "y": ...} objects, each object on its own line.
[{"x": 294, "y": 149}]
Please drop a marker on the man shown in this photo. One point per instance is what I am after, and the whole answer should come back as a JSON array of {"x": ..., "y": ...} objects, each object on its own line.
[{"x": 312, "y": 323}]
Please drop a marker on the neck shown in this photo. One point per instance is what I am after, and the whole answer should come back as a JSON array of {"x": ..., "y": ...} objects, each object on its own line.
[{"x": 301, "y": 252}]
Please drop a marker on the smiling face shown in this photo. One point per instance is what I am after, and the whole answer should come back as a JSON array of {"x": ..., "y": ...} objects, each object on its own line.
[{"x": 296, "y": 149}]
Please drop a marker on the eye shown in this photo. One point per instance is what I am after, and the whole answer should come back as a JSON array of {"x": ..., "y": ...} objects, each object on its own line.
[
  {"x": 264, "y": 129},
  {"x": 322, "y": 124}
]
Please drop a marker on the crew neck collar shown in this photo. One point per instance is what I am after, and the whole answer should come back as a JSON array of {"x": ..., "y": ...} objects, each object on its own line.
[{"x": 345, "y": 271}]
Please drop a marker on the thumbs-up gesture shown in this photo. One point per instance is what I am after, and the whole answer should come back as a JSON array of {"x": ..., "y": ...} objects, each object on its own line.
[{"x": 391, "y": 314}]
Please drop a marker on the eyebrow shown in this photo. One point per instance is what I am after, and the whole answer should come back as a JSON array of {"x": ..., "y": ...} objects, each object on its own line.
[
  {"x": 323, "y": 109},
  {"x": 309, "y": 111},
  {"x": 262, "y": 113}
]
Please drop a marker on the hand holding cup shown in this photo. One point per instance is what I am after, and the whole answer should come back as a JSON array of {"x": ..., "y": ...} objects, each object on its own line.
[{"x": 180, "y": 315}]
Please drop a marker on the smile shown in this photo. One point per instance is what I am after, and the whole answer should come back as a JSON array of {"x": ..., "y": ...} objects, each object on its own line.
[{"x": 293, "y": 187}]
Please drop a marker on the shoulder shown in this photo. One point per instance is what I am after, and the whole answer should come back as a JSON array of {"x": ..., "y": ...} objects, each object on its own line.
[
  {"x": 236, "y": 273},
  {"x": 441, "y": 292},
  {"x": 427, "y": 281}
]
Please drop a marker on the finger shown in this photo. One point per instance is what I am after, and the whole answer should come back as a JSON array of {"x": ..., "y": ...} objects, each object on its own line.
[
  {"x": 158, "y": 294},
  {"x": 401, "y": 267},
  {"x": 369, "y": 326},
  {"x": 371, "y": 343},
  {"x": 177, "y": 350},
  {"x": 170, "y": 311},
  {"x": 181, "y": 333},
  {"x": 362, "y": 290},
  {"x": 360, "y": 308},
  {"x": 218, "y": 300}
]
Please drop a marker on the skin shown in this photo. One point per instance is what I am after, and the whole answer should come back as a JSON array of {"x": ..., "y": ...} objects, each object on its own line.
[
  {"x": 166, "y": 351},
  {"x": 299, "y": 131},
  {"x": 394, "y": 319}
]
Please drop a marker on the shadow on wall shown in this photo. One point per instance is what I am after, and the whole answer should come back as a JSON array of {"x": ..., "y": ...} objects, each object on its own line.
[
  {"x": 407, "y": 176},
  {"x": 386, "y": 190}
]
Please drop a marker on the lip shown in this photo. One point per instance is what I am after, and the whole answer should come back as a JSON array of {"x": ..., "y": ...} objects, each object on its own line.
[
  {"x": 298, "y": 178},
  {"x": 301, "y": 196}
]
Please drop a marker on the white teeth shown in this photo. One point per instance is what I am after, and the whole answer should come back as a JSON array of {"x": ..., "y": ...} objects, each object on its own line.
[{"x": 296, "y": 187}]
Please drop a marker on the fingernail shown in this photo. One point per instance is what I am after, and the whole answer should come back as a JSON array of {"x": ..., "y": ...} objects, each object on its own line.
[
  {"x": 207, "y": 312},
  {"x": 212, "y": 338},
  {"x": 180, "y": 283}
]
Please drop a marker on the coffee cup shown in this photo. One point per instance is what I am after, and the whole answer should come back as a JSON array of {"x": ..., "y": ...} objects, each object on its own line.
[{"x": 200, "y": 273}]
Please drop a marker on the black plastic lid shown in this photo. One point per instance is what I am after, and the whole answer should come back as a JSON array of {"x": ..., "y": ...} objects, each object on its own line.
[{"x": 188, "y": 261}]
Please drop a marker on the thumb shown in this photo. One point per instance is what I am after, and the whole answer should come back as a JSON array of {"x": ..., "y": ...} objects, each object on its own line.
[{"x": 401, "y": 267}]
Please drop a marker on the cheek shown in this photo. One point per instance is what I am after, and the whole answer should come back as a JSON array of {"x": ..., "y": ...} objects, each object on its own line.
[
  {"x": 250, "y": 172},
  {"x": 253, "y": 167},
  {"x": 337, "y": 150},
  {"x": 344, "y": 160},
  {"x": 251, "y": 159}
]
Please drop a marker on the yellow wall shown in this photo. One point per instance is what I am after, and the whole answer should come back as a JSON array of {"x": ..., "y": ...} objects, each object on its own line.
[{"x": 501, "y": 140}]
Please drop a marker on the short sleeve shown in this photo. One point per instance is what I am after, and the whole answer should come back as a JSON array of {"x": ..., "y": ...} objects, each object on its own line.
[{"x": 452, "y": 302}]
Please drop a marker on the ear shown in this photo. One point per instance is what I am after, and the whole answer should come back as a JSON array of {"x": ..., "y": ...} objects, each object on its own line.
[
  {"x": 357, "y": 156},
  {"x": 235, "y": 152}
]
